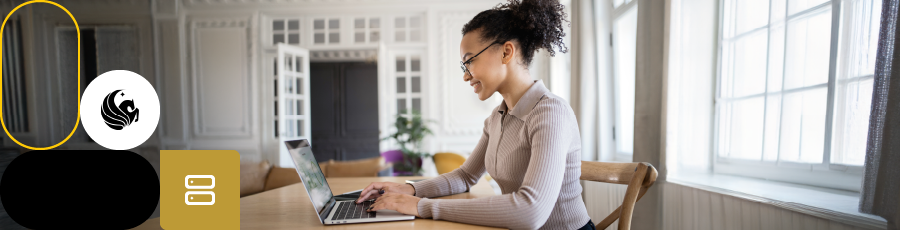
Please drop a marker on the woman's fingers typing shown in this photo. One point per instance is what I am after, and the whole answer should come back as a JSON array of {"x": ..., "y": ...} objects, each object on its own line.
[
  {"x": 372, "y": 191},
  {"x": 402, "y": 203},
  {"x": 382, "y": 202},
  {"x": 367, "y": 195},
  {"x": 376, "y": 206}
]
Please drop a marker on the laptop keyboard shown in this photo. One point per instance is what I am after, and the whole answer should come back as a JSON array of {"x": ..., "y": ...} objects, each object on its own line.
[
  {"x": 352, "y": 210},
  {"x": 349, "y": 195}
]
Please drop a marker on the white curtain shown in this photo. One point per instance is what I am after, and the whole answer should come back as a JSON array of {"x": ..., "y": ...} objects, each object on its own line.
[
  {"x": 690, "y": 87},
  {"x": 583, "y": 84}
]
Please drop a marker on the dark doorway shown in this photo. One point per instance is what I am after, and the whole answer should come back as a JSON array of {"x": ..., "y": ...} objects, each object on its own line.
[{"x": 344, "y": 104}]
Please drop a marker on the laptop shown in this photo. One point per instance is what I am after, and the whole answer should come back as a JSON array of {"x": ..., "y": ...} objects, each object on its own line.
[{"x": 330, "y": 210}]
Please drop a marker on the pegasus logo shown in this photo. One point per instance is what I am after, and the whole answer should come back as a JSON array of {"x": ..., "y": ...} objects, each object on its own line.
[{"x": 118, "y": 115}]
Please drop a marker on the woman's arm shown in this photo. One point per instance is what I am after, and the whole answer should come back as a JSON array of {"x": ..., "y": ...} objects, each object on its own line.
[
  {"x": 461, "y": 179},
  {"x": 529, "y": 207}
]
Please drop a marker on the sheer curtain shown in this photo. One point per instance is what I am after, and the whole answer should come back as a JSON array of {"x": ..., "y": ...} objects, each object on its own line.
[
  {"x": 113, "y": 48},
  {"x": 881, "y": 182},
  {"x": 691, "y": 84},
  {"x": 582, "y": 85}
]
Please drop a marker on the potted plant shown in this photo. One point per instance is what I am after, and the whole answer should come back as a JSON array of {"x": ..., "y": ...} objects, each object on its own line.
[{"x": 409, "y": 135}]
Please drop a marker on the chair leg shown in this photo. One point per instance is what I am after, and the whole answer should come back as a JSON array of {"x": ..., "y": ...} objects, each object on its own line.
[
  {"x": 631, "y": 196},
  {"x": 609, "y": 219},
  {"x": 615, "y": 214}
]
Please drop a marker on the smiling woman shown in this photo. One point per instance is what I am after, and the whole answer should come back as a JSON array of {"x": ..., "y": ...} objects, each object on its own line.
[{"x": 530, "y": 143}]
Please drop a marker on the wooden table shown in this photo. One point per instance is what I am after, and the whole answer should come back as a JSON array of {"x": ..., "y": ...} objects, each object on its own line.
[{"x": 289, "y": 208}]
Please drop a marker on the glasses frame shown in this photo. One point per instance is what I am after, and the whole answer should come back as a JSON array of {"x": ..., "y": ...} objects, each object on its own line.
[{"x": 462, "y": 64}]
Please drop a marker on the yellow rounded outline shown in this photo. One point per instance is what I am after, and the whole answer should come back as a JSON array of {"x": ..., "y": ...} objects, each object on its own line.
[{"x": 78, "y": 116}]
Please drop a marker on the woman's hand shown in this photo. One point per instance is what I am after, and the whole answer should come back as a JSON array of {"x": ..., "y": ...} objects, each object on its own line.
[
  {"x": 373, "y": 191},
  {"x": 403, "y": 203}
]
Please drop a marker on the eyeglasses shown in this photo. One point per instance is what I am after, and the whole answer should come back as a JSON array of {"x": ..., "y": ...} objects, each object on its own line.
[{"x": 462, "y": 64}]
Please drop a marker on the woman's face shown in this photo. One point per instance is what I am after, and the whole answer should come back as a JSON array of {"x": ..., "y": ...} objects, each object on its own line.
[{"x": 487, "y": 72}]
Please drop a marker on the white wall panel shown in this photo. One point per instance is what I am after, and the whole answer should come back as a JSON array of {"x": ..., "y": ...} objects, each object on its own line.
[
  {"x": 221, "y": 81},
  {"x": 463, "y": 113},
  {"x": 171, "y": 93}
]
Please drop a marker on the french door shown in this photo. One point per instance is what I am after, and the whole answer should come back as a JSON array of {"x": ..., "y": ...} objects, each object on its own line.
[{"x": 292, "y": 99}]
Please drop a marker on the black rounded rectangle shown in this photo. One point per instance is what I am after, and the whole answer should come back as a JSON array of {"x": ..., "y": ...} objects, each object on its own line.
[{"x": 65, "y": 189}]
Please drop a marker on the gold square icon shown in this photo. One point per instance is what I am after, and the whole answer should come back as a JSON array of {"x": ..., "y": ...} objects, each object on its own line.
[{"x": 200, "y": 189}]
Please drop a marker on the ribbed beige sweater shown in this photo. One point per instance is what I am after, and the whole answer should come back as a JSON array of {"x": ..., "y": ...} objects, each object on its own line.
[{"x": 534, "y": 153}]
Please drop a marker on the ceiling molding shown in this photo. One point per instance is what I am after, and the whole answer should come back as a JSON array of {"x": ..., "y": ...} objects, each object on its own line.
[
  {"x": 343, "y": 55},
  {"x": 66, "y": 3},
  {"x": 226, "y": 2},
  {"x": 244, "y": 2},
  {"x": 221, "y": 22}
]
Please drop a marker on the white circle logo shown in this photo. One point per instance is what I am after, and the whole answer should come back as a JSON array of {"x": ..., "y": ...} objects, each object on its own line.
[{"x": 119, "y": 110}]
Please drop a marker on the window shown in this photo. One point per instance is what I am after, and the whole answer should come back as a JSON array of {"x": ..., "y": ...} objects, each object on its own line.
[
  {"x": 286, "y": 31},
  {"x": 326, "y": 31},
  {"x": 619, "y": 3},
  {"x": 793, "y": 89},
  {"x": 408, "y": 29},
  {"x": 366, "y": 30},
  {"x": 408, "y": 84},
  {"x": 624, "y": 46},
  {"x": 854, "y": 81}
]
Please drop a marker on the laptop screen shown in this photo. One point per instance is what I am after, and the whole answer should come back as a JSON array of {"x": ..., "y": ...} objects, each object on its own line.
[{"x": 310, "y": 173}]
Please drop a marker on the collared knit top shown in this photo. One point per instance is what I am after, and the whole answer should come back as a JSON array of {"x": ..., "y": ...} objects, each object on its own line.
[{"x": 534, "y": 153}]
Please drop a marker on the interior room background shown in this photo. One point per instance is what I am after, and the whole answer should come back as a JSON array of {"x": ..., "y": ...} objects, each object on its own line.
[{"x": 649, "y": 80}]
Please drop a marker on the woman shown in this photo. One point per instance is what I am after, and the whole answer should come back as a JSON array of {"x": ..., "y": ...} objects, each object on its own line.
[{"x": 531, "y": 145}]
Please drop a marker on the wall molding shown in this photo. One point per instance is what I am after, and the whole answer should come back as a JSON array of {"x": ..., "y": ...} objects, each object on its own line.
[
  {"x": 172, "y": 78},
  {"x": 201, "y": 131},
  {"x": 242, "y": 22},
  {"x": 230, "y": 2},
  {"x": 344, "y": 55},
  {"x": 90, "y": 2},
  {"x": 449, "y": 125},
  {"x": 166, "y": 7}
]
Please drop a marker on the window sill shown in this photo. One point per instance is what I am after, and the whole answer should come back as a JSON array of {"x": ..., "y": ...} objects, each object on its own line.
[{"x": 831, "y": 204}]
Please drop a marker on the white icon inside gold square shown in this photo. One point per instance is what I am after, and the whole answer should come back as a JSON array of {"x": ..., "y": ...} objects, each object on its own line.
[
  {"x": 199, "y": 181},
  {"x": 199, "y": 197}
]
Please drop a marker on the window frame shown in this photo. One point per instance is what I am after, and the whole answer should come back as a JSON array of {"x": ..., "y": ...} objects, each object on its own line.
[
  {"x": 618, "y": 12},
  {"x": 326, "y": 31},
  {"x": 367, "y": 29},
  {"x": 285, "y": 32},
  {"x": 407, "y": 30},
  {"x": 407, "y": 74},
  {"x": 824, "y": 174}
]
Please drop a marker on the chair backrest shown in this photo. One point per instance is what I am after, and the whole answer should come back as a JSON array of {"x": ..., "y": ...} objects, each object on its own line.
[
  {"x": 253, "y": 177},
  {"x": 368, "y": 167},
  {"x": 446, "y": 162},
  {"x": 638, "y": 176},
  {"x": 279, "y": 177}
]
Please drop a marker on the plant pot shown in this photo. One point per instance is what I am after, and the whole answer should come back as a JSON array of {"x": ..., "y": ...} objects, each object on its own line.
[{"x": 401, "y": 172}]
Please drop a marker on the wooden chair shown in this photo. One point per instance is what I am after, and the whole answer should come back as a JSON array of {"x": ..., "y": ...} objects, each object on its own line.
[
  {"x": 638, "y": 176},
  {"x": 369, "y": 167},
  {"x": 447, "y": 162},
  {"x": 260, "y": 177}
]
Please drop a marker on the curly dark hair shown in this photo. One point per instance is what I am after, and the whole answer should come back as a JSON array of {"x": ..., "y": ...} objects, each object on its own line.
[{"x": 535, "y": 24}]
